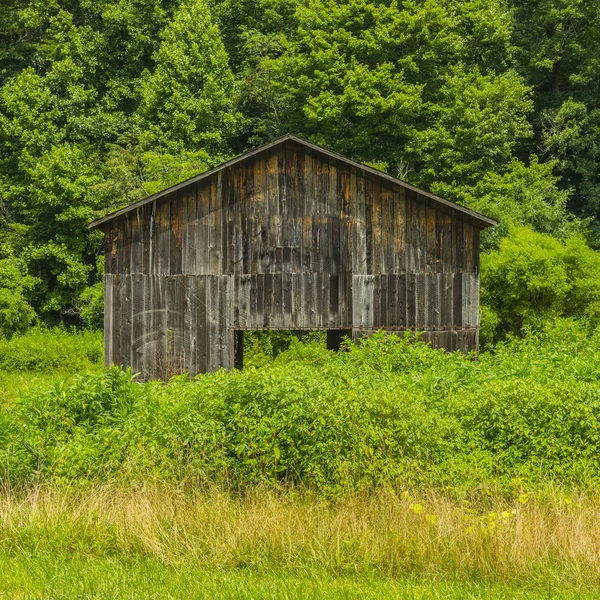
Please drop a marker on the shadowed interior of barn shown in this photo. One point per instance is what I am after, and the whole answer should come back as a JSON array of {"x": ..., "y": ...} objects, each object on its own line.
[{"x": 287, "y": 236}]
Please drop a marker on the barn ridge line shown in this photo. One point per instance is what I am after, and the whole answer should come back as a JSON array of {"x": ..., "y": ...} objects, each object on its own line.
[{"x": 482, "y": 220}]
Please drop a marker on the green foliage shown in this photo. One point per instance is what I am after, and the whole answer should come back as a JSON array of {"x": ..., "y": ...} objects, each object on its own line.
[
  {"x": 186, "y": 101},
  {"x": 51, "y": 351},
  {"x": 261, "y": 347},
  {"x": 16, "y": 313},
  {"x": 493, "y": 105},
  {"x": 532, "y": 278},
  {"x": 389, "y": 412},
  {"x": 429, "y": 89},
  {"x": 556, "y": 46}
]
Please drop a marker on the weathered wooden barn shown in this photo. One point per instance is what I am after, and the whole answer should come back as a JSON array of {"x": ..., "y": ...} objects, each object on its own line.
[{"x": 287, "y": 236}]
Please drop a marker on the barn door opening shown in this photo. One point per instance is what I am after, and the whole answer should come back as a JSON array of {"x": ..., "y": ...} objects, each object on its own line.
[{"x": 281, "y": 339}]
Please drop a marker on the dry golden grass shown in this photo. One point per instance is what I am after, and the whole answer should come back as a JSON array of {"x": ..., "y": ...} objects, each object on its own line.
[{"x": 556, "y": 538}]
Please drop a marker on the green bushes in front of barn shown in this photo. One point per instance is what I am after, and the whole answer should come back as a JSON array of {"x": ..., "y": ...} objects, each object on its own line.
[
  {"x": 56, "y": 350},
  {"x": 389, "y": 412}
]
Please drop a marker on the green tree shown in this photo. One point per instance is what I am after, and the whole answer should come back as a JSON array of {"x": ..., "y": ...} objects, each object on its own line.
[
  {"x": 16, "y": 311},
  {"x": 557, "y": 47},
  {"x": 187, "y": 99}
]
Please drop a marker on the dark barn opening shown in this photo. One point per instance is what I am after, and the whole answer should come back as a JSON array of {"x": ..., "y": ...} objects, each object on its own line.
[
  {"x": 289, "y": 236},
  {"x": 332, "y": 340}
]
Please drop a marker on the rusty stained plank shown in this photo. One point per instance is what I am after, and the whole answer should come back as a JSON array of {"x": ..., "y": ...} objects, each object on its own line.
[
  {"x": 236, "y": 242},
  {"x": 387, "y": 226},
  {"x": 162, "y": 229},
  {"x": 226, "y": 221},
  {"x": 246, "y": 198},
  {"x": 147, "y": 236},
  {"x": 138, "y": 282},
  {"x": 175, "y": 239},
  {"x": 378, "y": 250},
  {"x": 308, "y": 209},
  {"x": 259, "y": 230},
  {"x": 110, "y": 323},
  {"x": 188, "y": 246},
  {"x": 200, "y": 231},
  {"x": 294, "y": 179},
  {"x": 213, "y": 232},
  {"x": 369, "y": 226},
  {"x": 430, "y": 216},
  {"x": 357, "y": 223},
  {"x": 459, "y": 247},
  {"x": 137, "y": 249},
  {"x": 412, "y": 235},
  {"x": 399, "y": 200},
  {"x": 468, "y": 248},
  {"x": 449, "y": 256},
  {"x": 275, "y": 211},
  {"x": 321, "y": 233},
  {"x": 287, "y": 191}
]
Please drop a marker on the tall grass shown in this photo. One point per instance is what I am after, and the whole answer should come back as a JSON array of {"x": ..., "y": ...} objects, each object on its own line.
[{"x": 395, "y": 534}]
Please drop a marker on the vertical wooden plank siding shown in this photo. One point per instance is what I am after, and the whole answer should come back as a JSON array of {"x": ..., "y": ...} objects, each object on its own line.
[
  {"x": 288, "y": 239},
  {"x": 109, "y": 315}
]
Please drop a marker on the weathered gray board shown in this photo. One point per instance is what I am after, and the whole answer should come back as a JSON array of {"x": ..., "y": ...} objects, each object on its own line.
[{"x": 290, "y": 238}]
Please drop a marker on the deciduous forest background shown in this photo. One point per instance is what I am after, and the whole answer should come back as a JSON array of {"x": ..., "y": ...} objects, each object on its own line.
[{"x": 495, "y": 105}]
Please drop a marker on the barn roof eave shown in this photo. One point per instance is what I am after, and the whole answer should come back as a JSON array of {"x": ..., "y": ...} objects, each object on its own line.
[{"x": 481, "y": 220}]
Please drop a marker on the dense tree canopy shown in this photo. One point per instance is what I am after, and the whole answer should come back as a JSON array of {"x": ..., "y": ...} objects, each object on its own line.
[{"x": 491, "y": 104}]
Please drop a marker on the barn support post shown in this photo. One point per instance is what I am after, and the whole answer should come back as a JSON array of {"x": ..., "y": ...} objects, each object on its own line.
[
  {"x": 335, "y": 337},
  {"x": 238, "y": 351}
]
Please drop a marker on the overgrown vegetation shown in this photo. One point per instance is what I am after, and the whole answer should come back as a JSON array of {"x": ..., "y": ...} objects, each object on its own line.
[
  {"x": 389, "y": 412},
  {"x": 53, "y": 351},
  {"x": 388, "y": 468}
]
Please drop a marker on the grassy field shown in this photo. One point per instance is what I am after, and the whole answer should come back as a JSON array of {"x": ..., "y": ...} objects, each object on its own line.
[
  {"x": 58, "y": 578},
  {"x": 109, "y": 489},
  {"x": 157, "y": 542}
]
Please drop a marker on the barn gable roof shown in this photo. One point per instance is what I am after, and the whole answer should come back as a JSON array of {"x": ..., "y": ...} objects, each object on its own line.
[{"x": 482, "y": 220}]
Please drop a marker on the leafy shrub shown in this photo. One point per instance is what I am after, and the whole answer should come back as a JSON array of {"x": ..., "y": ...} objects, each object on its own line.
[
  {"x": 54, "y": 350},
  {"x": 388, "y": 412},
  {"x": 533, "y": 277}
]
